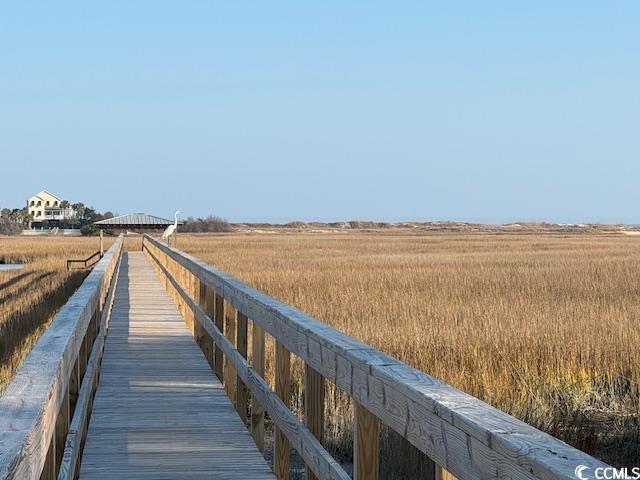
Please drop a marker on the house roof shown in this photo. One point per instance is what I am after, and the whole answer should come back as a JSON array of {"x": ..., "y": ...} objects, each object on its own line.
[
  {"x": 134, "y": 220},
  {"x": 37, "y": 195}
]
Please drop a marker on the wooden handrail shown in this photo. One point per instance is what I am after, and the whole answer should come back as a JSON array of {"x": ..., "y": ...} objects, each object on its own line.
[
  {"x": 85, "y": 261},
  {"x": 37, "y": 406},
  {"x": 82, "y": 413},
  {"x": 464, "y": 436},
  {"x": 307, "y": 445}
]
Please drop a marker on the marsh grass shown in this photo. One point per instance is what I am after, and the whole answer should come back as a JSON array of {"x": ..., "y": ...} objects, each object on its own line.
[
  {"x": 29, "y": 298},
  {"x": 545, "y": 327}
]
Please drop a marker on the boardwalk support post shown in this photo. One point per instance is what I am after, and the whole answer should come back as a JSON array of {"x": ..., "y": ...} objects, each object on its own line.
[
  {"x": 257, "y": 411},
  {"x": 366, "y": 444},
  {"x": 242, "y": 394},
  {"x": 283, "y": 390},
  {"x": 229, "y": 370},
  {"x": 218, "y": 360},
  {"x": 313, "y": 407}
]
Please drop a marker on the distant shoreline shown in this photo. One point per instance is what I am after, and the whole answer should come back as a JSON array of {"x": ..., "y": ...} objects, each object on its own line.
[{"x": 434, "y": 227}]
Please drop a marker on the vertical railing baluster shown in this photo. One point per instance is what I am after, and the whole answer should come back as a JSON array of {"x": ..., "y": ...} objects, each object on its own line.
[
  {"x": 442, "y": 474},
  {"x": 257, "y": 411},
  {"x": 61, "y": 430},
  {"x": 229, "y": 370},
  {"x": 219, "y": 318},
  {"x": 242, "y": 394},
  {"x": 314, "y": 394},
  {"x": 208, "y": 307},
  {"x": 49, "y": 469},
  {"x": 366, "y": 444},
  {"x": 283, "y": 390}
]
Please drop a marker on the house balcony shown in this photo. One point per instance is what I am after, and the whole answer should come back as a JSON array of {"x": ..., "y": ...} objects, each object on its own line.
[{"x": 56, "y": 214}]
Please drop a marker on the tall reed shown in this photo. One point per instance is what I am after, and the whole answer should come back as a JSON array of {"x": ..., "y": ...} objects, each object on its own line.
[{"x": 545, "y": 327}]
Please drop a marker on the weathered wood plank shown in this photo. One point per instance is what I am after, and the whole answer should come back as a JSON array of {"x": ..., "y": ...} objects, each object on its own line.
[
  {"x": 258, "y": 364},
  {"x": 283, "y": 390},
  {"x": 298, "y": 434},
  {"x": 77, "y": 428},
  {"x": 30, "y": 404},
  {"x": 218, "y": 359},
  {"x": 242, "y": 394},
  {"x": 209, "y": 309},
  {"x": 313, "y": 407},
  {"x": 230, "y": 372},
  {"x": 442, "y": 474},
  {"x": 159, "y": 411},
  {"x": 49, "y": 469},
  {"x": 366, "y": 444},
  {"x": 62, "y": 428}
]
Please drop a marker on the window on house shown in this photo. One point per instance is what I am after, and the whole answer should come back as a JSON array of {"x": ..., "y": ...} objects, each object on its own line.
[
  {"x": 38, "y": 214},
  {"x": 55, "y": 204},
  {"x": 39, "y": 203},
  {"x": 32, "y": 203}
]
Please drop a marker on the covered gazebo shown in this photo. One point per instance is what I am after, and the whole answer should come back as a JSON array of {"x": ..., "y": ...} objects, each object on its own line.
[{"x": 132, "y": 223}]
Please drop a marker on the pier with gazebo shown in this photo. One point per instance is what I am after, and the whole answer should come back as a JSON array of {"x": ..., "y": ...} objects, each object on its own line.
[{"x": 130, "y": 224}]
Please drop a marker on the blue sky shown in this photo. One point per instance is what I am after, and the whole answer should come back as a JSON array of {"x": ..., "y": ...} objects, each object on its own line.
[{"x": 482, "y": 111}]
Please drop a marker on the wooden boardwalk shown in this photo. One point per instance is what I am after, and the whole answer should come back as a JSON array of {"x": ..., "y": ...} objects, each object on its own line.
[{"x": 159, "y": 411}]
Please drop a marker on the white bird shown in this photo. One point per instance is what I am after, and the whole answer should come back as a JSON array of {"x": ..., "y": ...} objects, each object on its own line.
[{"x": 171, "y": 229}]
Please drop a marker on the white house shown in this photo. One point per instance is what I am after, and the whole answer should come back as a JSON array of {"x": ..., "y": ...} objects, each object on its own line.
[{"x": 46, "y": 206}]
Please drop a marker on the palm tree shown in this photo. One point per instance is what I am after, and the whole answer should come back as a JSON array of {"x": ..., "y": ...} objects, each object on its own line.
[
  {"x": 25, "y": 217},
  {"x": 79, "y": 210},
  {"x": 64, "y": 204}
]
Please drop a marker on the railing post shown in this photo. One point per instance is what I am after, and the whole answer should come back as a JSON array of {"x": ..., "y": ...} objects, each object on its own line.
[
  {"x": 283, "y": 390},
  {"x": 74, "y": 385},
  {"x": 49, "y": 469},
  {"x": 229, "y": 371},
  {"x": 257, "y": 411},
  {"x": 219, "y": 318},
  {"x": 442, "y": 474},
  {"x": 366, "y": 444},
  {"x": 174, "y": 273},
  {"x": 194, "y": 291},
  {"x": 206, "y": 294},
  {"x": 61, "y": 430},
  {"x": 199, "y": 297},
  {"x": 173, "y": 270},
  {"x": 183, "y": 305},
  {"x": 82, "y": 358},
  {"x": 242, "y": 395},
  {"x": 313, "y": 407}
]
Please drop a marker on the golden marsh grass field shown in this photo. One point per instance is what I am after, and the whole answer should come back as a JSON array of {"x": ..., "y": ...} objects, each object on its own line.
[
  {"x": 545, "y": 327},
  {"x": 30, "y": 297}
]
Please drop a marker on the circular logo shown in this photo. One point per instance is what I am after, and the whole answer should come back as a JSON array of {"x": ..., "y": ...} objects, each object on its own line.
[{"x": 580, "y": 472}]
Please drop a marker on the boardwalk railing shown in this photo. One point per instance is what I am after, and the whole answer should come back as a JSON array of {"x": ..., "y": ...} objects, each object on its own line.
[
  {"x": 94, "y": 258},
  {"x": 463, "y": 436},
  {"x": 55, "y": 383}
]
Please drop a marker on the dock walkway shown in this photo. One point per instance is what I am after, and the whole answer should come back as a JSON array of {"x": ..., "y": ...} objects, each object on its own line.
[{"x": 159, "y": 410}]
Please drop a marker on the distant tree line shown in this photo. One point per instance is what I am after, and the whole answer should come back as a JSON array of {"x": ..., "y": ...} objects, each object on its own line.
[
  {"x": 207, "y": 224},
  {"x": 13, "y": 221}
]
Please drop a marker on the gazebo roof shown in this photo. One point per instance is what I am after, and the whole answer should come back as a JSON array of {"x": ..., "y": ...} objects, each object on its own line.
[{"x": 134, "y": 220}]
